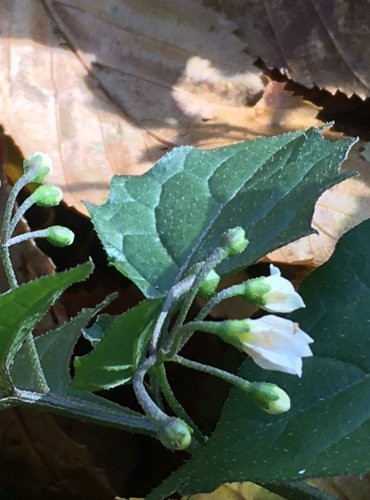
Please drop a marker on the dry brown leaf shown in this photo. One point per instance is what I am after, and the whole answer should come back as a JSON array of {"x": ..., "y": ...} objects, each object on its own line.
[
  {"x": 237, "y": 491},
  {"x": 315, "y": 42},
  {"x": 345, "y": 487},
  {"x": 144, "y": 75},
  {"x": 337, "y": 211},
  {"x": 49, "y": 463}
]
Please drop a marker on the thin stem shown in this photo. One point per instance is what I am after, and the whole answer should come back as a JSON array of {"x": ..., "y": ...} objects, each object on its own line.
[
  {"x": 4, "y": 232},
  {"x": 216, "y": 372},
  {"x": 227, "y": 293},
  {"x": 174, "y": 403},
  {"x": 8, "y": 267},
  {"x": 215, "y": 258},
  {"x": 146, "y": 402},
  {"x": 180, "y": 338},
  {"x": 172, "y": 297},
  {"x": 89, "y": 411},
  {"x": 36, "y": 364},
  {"x": 12, "y": 198},
  {"x": 28, "y": 203},
  {"x": 154, "y": 389},
  {"x": 41, "y": 233}
]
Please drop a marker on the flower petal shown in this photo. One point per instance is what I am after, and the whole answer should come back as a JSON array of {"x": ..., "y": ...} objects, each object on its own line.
[
  {"x": 276, "y": 344},
  {"x": 269, "y": 360}
]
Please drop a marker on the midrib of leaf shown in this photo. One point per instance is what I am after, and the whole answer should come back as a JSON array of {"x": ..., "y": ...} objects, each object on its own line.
[{"x": 255, "y": 174}]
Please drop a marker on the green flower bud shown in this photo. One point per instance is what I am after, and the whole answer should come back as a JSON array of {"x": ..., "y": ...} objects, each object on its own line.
[
  {"x": 47, "y": 196},
  {"x": 60, "y": 236},
  {"x": 235, "y": 241},
  {"x": 270, "y": 397},
  {"x": 210, "y": 284},
  {"x": 40, "y": 163},
  {"x": 175, "y": 434}
]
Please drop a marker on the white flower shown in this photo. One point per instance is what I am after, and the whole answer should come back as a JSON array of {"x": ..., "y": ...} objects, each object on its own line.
[
  {"x": 276, "y": 344},
  {"x": 273, "y": 293}
]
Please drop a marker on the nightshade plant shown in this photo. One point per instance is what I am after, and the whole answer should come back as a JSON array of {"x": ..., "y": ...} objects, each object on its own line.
[{"x": 197, "y": 215}]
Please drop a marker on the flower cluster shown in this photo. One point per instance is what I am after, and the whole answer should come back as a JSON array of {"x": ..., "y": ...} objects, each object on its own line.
[{"x": 273, "y": 343}]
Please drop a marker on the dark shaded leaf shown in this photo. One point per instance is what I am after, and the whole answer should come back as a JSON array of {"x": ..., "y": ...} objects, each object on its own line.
[
  {"x": 327, "y": 430},
  {"x": 114, "y": 358}
]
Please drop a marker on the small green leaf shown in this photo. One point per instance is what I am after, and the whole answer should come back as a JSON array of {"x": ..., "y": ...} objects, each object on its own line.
[
  {"x": 55, "y": 349},
  {"x": 22, "y": 307},
  {"x": 158, "y": 224},
  {"x": 114, "y": 358},
  {"x": 327, "y": 431},
  {"x": 96, "y": 332}
]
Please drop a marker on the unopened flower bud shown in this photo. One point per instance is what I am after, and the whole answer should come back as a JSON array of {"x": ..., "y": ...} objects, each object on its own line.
[
  {"x": 210, "y": 284},
  {"x": 273, "y": 293},
  {"x": 175, "y": 434},
  {"x": 47, "y": 195},
  {"x": 40, "y": 164},
  {"x": 60, "y": 236},
  {"x": 270, "y": 397},
  {"x": 235, "y": 241}
]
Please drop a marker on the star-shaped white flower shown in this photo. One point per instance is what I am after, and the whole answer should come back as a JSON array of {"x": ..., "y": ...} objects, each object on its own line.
[{"x": 276, "y": 344}]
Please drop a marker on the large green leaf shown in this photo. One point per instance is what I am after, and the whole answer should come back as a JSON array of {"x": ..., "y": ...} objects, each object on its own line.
[
  {"x": 327, "y": 431},
  {"x": 153, "y": 226},
  {"x": 117, "y": 354},
  {"x": 22, "y": 308}
]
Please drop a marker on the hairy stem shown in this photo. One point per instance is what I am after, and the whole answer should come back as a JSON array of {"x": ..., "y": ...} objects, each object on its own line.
[{"x": 175, "y": 405}]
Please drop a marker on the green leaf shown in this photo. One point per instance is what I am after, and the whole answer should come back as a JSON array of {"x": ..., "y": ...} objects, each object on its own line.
[
  {"x": 157, "y": 224},
  {"x": 327, "y": 431},
  {"x": 22, "y": 307},
  {"x": 114, "y": 358},
  {"x": 96, "y": 332},
  {"x": 55, "y": 349}
]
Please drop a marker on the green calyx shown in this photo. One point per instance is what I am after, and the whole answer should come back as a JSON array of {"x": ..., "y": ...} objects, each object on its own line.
[
  {"x": 234, "y": 241},
  {"x": 60, "y": 236},
  {"x": 210, "y": 284},
  {"x": 254, "y": 290},
  {"x": 47, "y": 196}
]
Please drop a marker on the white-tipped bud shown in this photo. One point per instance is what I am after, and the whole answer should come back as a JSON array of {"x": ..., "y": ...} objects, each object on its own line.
[
  {"x": 40, "y": 164},
  {"x": 273, "y": 293},
  {"x": 234, "y": 241},
  {"x": 270, "y": 397}
]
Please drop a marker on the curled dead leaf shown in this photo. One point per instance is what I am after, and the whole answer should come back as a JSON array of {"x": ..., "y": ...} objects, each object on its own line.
[{"x": 108, "y": 88}]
